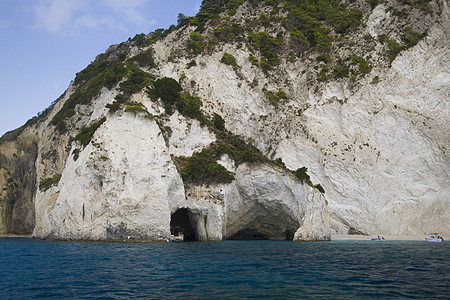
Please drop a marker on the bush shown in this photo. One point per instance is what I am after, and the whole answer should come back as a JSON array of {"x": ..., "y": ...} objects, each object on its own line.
[
  {"x": 320, "y": 188},
  {"x": 302, "y": 174},
  {"x": 239, "y": 150},
  {"x": 394, "y": 48},
  {"x": 138, "y": 39},
  {"x": 272, "y": 97},
  {"x": 326, "y": 58},
  {"x": 86, "y": 133},
  {"x": 168, "y": 89},
  {"x": 211, "y": 9},
  {"x": 362, "y": 64},
  {"x": 307, "y": 21},
  {"x": 76, "y": 154},
  {"x": 373, "y": 3},
  {"x": 268, "y": 46},
  {"x": 375, "y": 80},
  {"x": 411, "y": 37},
  {"x": 230, "y": 60},
  {"x": 299, "y": 40},
  {"x": 144, "y": 59},
  {"x": 279, "y": 162},
  {"x": 275, "y": 97},
  {"x": 340, "y": 70},
  {"x": 228, "y": 31},
  {"x": 232, "y": 6},
  {"x": 136, "y": 80},
  {"x": 135, "y": 107},
  {"x": 323, "y": 39},
  {"x": 117, "y": 104},
  {"x": 189, "y": 106},
  {"x": 182, "y": 20},
  {"x": 264, "y": 20},
  {"x": 203, "y": 168},
  {"x": 196, "y": 43},
  {"x": 323, "y": 74},
  {"x": 218, "y": 122},
  {"x": 254, "y": 61},
  {"x": 191, "y": 64}
]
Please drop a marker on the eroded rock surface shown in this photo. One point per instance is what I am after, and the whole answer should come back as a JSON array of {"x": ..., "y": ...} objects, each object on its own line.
[{"x": 378, "y": 145}]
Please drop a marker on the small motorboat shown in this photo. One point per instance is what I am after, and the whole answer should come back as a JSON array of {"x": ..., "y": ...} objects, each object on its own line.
[
  {"x": 378, "y": 238},
  {"x": 434, "y": 238}
]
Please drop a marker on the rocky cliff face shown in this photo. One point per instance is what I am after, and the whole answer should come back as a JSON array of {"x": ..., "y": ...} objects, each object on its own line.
[{"x": 366, "y": 113}]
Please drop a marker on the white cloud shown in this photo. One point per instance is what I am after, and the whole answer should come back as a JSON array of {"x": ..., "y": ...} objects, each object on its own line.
[
  {"x": 72, "y": 16},
  {"x": 57, "y": 16},
  {"x": 87, "y": 21},
  {"x": 129, "y": 10},
  {"x": 121, "y": 5}
]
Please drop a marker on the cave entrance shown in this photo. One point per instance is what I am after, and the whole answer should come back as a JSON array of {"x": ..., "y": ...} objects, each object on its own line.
[
  {"x": 181, "y": 227},
  {"x": 253, "y": 234},
  {"x": 248, "y": 234},
  {"x": 262, "y": 224}
]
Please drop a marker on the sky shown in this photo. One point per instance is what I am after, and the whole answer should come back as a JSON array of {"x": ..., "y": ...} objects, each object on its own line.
[{"x": 44, "y": 43}]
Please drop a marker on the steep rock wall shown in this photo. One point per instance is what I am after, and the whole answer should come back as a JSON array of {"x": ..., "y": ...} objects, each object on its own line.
[
  {"x": 378, "y": 147},
  {"x": 124, "y": 185},
  {"x": 263, "y": 202},
  {"x": 18, "y": 184},
  {"x": 119, "y": 187}
]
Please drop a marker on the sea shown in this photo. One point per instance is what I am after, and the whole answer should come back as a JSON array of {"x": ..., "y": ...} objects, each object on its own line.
[{"x": 342, "y": 269}]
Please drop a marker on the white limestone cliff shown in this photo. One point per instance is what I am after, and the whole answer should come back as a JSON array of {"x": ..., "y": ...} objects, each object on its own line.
[
  {"x": 124, "y": 185},
  {"x": 380, "y": 150},
  {"x": 120, "y": 186}
]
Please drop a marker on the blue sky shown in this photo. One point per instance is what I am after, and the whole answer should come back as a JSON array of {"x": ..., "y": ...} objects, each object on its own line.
[{"x": 44, "y": 43}]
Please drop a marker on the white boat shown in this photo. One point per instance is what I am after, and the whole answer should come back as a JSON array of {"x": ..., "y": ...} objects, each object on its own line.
[
  {"x": 378, "y": 238},
  {"x": 434, "y": 238}
]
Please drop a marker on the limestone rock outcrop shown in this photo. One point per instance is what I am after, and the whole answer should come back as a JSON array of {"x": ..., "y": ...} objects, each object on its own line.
[
  {"x": 374, "y": 140},
  {"x": 123, "y": 187}
]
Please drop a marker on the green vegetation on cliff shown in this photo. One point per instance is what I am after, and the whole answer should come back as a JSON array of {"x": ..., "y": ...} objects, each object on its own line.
[
  {"x": 106, "y": 72},
  {"x": 86, "y": 133},
  {"x": 319, "y": 26},
  {"x": 202, "y": 167},
  {"x": 144, "y": 59},
  {"x": 301, "y": 173},
  {"x": 310, "y": 26},
  {"x": 168, "y": 90},
  {"x": 136, "y": 80},
  {"x": 88, "y": 83}
]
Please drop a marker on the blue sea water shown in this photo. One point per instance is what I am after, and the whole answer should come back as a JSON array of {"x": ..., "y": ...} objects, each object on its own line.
[{"x": 223, "y": 270}]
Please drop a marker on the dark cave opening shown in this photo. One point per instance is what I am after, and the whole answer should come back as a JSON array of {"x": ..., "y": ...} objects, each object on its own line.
[
  {"x": 253, "y": 234},
  {"x": 248, "y": 234},
  {"x": 289, "y": 235},
  {"x": 181, "y": 227}
]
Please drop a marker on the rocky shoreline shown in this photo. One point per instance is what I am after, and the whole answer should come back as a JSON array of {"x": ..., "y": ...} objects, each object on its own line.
[
  {"x": 387, "y": 237},
  {"x": 333, "y": 237}
]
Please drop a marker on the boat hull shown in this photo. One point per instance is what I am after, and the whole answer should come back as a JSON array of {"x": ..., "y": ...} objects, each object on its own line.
[{"x": 433, "y": 240}]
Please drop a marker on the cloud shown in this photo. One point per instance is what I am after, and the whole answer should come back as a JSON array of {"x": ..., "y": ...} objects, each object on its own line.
[
  {"x": 87, "y": 21},
  {"x": 122, "y": 5},
  {"x": 129, "y": 10},
  {"x": 72, "y": 16},
  {"x": 57, "y": 16}
]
